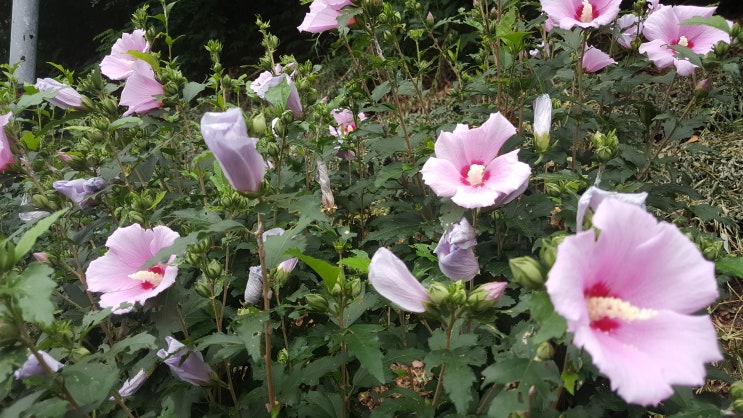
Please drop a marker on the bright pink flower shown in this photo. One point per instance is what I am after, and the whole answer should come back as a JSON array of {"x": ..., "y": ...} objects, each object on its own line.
[
  {"x": 323, "y": 15},
  {"x": 467, "y": 167},
  {"x": 141, "y": 90},
  {"x": 66, "y": 95},
  {"x": 584, "y": 13},
  {"x": 663, "y": 27},
  {"x": 346, "y": 122},
  {"x": 629, "y": 294},
  {"x": 5, "y": 155},
  {"x": 266, "y": 81},
  {"x": 456, "y": 251},
  {"x": 393, "y": 280},
  {"x": 184, "y": 362},
  {"x": 227, "y": 137},
  {"x": 119, "y": 274},
  {"x": 595, "y": 59},
  {"x": 118, "y": 64}
]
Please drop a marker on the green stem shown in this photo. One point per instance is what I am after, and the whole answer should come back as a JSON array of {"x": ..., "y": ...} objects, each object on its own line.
[
  {"x": 440, "y": 384},
  {"x": 267, "y": 308}
]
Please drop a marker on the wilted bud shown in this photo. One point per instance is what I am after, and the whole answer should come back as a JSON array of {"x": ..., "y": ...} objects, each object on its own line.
[
  {"x": 605, "y": 146},
  {"x": 527, "y": 272},
  {"x": 548, "y": 251},
  {"x": 316, "y": 303},
  {"x": 254, "y": 287},
  {"x": 328, "y": 201},
  {"x": 702, "y": 88},
  {"x": 545, "y": 351}
]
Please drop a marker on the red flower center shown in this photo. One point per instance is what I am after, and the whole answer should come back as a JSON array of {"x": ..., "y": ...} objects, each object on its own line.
[
  {"x": 683, "y": 41},
  {"x": 150, "y": 278},
  {"x": 586, "y": 13},
  {"x": 474, "y": 174},
  {"x": 607, "y": 313}
]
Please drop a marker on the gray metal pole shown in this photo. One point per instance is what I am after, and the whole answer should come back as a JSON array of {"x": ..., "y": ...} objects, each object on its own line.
[{"x": 23, "y": 34}]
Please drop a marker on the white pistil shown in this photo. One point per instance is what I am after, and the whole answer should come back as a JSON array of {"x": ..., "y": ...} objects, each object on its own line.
[
  {"x": 475, "y": 175},
  {"x": 683, "y": 41},
  {"x": 587, "y": 14},
  {"x": 615, "y": 308},
  {"x": 146, "y": 276}
]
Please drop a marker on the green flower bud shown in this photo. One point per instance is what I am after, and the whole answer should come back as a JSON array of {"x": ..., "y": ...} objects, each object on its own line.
[
  {"x": 7, "y": 256},
  {"x": 87, "y": 104},
  {"x": 738, "y": 405},
  {"x": 605, "y": 146},
  {"x": 203, "y": 288},
  {"x": 8, "y": 334},
  {"x": 78, "y": 353},
  {"x": 527, "y": 272},
  {"x": 541, "y": 142},
  {"x": 213, "y": 270},
  {"x": 736, "y": 390},
  {"x": 257, "y": 125},
  {"x": 458, "y": 293},
  {"x": 353, "y": 287},
  {"x": 721, "y": 49},
  {"x": 316, "y": 303},
  {"x": 545, "y": 351},
  {"x": 283, "y": 357},
  {"x": 439, "y": 294},
  {"x": 548, "y": 251},
  {"x": 278, "y": 127},
  {"x": 287, "y": 117}
]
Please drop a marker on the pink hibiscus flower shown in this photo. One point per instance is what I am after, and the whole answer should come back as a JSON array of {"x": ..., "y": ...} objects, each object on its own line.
[
  {"x": 595, "y": 59},
  {"x": 66, "y": 96},
  {"x": 118, "y": 64},
  {"x": 393, "y": 280},
  {"x": 468, "y": 169},
  {"x": 584, "y": 13},
  {"x": 119, "y": 275},
  {"x": 663, "y": 27},
  {"x": 323, "y": 15},
  {"x": 629, "y": 295},
  {"x": 141, "y": 90},
  {"x": 6, "y": 157}
]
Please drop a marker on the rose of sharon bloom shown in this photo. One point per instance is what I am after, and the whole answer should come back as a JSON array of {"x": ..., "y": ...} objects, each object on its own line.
[
  {"x": 629, "y": 295},
  {"x": 119, "y": 274},
  {"x": 595, "y": 59},
  {"x": 227, "y": 137},
  {"x": 267, "y": 81},
  {"x": 141, "y": 90},
  {"x": 393, "y": 280},
  {"x": 5, "y": 155},
  {"x": 186, "y": 363},
  {"x": 66, "y": 95},
  {"x": 345, "y": 120},
  {"x": 663, "y": 27},
  {"x": 456, "y": 252},
  {"x": 32, "y": 367},
  {"x": 323, "y": 15},
  {"x": 467, "y": 167},
  {"x": 132, "y": 385},
  {"x": 118, "y": 64},
  {"x": 593, "y": 196},
  {"x": 584, "y": 13},
  {"x": 80, "y": 191}
]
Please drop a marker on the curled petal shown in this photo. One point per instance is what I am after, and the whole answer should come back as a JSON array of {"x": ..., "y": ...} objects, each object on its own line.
[{"x": 393, "y": 280}]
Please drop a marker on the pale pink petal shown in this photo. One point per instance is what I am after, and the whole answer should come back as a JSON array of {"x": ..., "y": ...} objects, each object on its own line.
[
  {"x": 6, "y": 157},
  {"x": 441, "y": 176},
  {"x": 684, "y": 67},
  {"x": 109, "y": 273},
  {"x": 131, "y": 244},
  {"x": 657, "y": 52},
  {"x": 142, "y": 91},
  {"x": 507, "y": 173},
  {"x": 662, "y": 25},
  {"x": 595, "y": 60},
  {"x": 475, "y": 197},
  {"x": 393, "y": 280}
]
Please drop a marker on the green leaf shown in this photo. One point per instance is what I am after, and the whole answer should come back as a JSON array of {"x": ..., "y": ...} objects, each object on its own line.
[
  {"x": 730, "y": 265},
  {"x": 328, "y": 272},
  {"x": 132, "y": 344},
  {"x": 278, "y": 95},
  {"x": 716, "y": 21},
  {"x": 360, "y": 264},
  {"x": 551, "y": 324},
  {"x": 568, "y": 380},
  {"x": 363, "y": 343},
  {"x": 277, "y": 245},
  {"x": 125, "y": 123},
  {"x": 250, "y": 331},
  {"x": 227, "y": 345},
  {"x": 458, "y": 376},
  {"x": 380, "y": 91},
  {"x": 90, "y": 383},
  {"x": 146, "y": 57},
  {"x": 16, "y": 409},
  {"x": 32, "y": 141},
  {"x": 27, "y": 241},
  {"x": 191, "y": 90},
  {"x": 34, "y": 289}
]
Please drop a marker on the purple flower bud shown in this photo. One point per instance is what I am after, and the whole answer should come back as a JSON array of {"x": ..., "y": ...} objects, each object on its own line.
[
  {"x": 456, "y": 252},
  {"x": 32, "y": 367},
  {"x": 66, "y": 95},
  {"x": 186, "y": 363},
  {"x": 226, "y": 136},
  {"x": 80, "y": 191},
  {"x": 393, "y": 280},
  {"x": 132, "y": 385}
]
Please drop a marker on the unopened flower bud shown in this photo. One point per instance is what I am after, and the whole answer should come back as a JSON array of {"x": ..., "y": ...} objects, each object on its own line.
[
  {"x": 486, "y": 296},
  {"x": 545, "y": 351},
  {"x": 738, "y": 405},
  {"x": 353, "y": 287},
  {"x": 429, "y": 18},
  {"x": 605, "y": 146},
  {"x": 78, "y": 353},
  {"x": 213, "y": 270},
  {"x": 278, "y": 128},
  {"x": 257, "y": 125},
  {"x": 439, "y": 293},
  {"x": 527, "y": 272},
  {"x": 203, "y": 288},
  {"x": 316, "y": 303},
  {"x": 736, "y": 390},
  {"x": 548, "y": 251},
  {"x": 702, "y": 88},
  {"x": 458, "y": 293},
  {"x": 721, "y": 49}
]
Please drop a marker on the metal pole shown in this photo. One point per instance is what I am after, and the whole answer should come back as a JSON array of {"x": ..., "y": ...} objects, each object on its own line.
[{"x": 23, "y": 34}]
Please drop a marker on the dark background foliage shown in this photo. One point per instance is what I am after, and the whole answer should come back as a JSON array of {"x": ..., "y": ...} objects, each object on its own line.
[{"x": 77, "y": 33}]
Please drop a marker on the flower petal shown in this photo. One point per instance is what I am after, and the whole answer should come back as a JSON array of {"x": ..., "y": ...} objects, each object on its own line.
[{"x": 393, "y": 280}]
